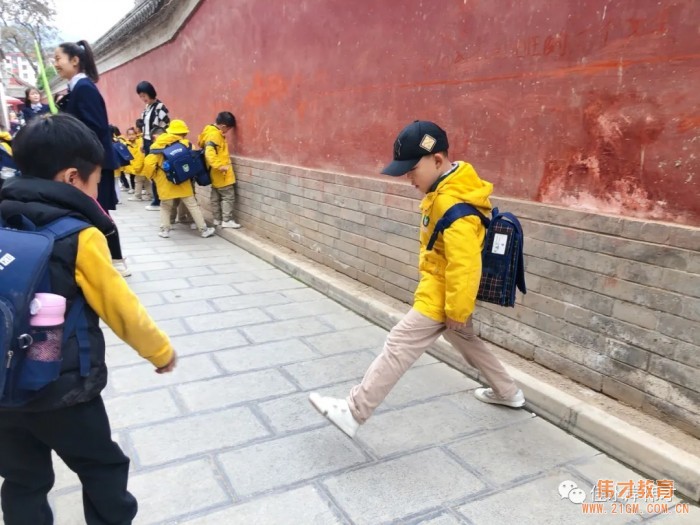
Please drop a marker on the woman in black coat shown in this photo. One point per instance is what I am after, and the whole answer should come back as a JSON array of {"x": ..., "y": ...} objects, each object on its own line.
[
  {"x": 32, "y": 105},
  {"x": 75, "y": 63}
]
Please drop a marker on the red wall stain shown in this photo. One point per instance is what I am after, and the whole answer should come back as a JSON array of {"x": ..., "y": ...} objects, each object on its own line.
[{"x": 584, "y": 103}]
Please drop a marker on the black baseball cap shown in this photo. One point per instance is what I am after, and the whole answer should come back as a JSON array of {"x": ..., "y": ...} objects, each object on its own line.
[{"x": 418, "y": 139}]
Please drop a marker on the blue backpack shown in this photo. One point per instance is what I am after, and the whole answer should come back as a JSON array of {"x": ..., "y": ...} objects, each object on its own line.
[
  {"x": 502, "y": 262},
  {"x": 180, "y": 163},
  {"x": 25, "y": 251},
  {"x": 124, "y": 156}
]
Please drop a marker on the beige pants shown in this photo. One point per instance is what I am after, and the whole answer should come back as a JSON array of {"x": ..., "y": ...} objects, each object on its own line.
[
  {"x": 142, "y": 183},
  {"x": 167, "y": 206},
  {"x": 180, "y": 213},
  {"x": 222, "y": 202},
  {"x": 405, "y": 344}
]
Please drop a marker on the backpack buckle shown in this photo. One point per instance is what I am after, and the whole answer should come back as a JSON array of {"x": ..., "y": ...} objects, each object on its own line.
[{"x": 25, "y": 341}]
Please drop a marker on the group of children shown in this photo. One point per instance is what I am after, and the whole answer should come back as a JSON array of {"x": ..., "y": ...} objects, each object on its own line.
[{"x": 177, "y": 201}]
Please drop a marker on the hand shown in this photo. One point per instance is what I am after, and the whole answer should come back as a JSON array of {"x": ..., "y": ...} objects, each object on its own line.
[
  {"x": 169, "y": 367},
  {"x": 224, "y": 169},
  {"x": 454, "y": 325}
]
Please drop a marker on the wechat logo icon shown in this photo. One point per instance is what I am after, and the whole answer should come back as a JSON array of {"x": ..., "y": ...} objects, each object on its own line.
[{"x": 569, "y": 490}]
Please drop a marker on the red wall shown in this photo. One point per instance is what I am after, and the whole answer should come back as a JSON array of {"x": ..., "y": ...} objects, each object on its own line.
[{"x": 584, "y": 103}]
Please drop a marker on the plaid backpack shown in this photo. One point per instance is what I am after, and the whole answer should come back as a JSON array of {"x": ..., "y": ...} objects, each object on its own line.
[{"x": 502, "y": 263}]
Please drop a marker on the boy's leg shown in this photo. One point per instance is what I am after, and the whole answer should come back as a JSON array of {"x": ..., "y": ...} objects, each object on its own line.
[
  {"x": 166, "y": 208},
  {"x": 480, "y": 357},
  {"x": 183, "y": 214},
  {"x": 404, "y": 345},
  {"x": 227, "y": 198},
  {"x": 25, "y": 465},
  {"x": 154, "y": 192},
  {"x": 81, "y": 436},
  {"x": 195, "y": 212},
  {"x": 173, "y": 211},
  {"x": 215, "y": 197},
  {"x": 138, "y": 187}
]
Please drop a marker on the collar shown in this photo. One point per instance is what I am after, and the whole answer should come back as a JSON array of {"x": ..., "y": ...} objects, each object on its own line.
[
  {"x": 37, "y": 106},
  {"x": 73, "y": 81},
  {"x": 442, "y": 177}
]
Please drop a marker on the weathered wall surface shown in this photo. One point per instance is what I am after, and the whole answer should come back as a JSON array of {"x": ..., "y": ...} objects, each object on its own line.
[{"x": 589, "y": 104}]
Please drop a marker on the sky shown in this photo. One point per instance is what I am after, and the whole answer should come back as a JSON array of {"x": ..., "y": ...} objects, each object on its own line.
[{"x": 88, "y": 19}]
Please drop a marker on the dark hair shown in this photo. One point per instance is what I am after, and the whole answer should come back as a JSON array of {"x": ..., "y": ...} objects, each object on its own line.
[
  {"x": 130, "y": 129},
  {"x": 115, "y": 130},
  {"x": 139, "y": 123},
  {"x": 28, "y": 102},
  {"x": 157, "y": 130},
  {"x": 146, "y": 87},
  {"x": 226, "y": 118},
  {"x": 86, "y": 60},
  {"x": 51, "y": 143}
]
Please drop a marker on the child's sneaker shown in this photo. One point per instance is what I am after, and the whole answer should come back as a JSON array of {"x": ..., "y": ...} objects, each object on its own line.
[
  {"x": 207, "y": 232},
  {"x": 150, "y": 207},
  {"x": 336, "y": 411},
  {"x": 193, "y": 226},
  {"x": 164, "y": 233},
  {"x": 217, "y": 222},
  {"x": 230, "y": 224},
  {"x": 130, "y": 191},
  {"x": 121, "y": 267},
  {"x": 134, "y": 198},
  {"x": 487, "y": 395}
]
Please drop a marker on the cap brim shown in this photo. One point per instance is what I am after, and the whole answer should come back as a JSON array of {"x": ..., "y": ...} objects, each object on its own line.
[{"x": 397, "y": 168}]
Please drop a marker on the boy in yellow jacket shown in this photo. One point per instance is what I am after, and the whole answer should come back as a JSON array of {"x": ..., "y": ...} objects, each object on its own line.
[
  {"x": 449, "y": 281},
  {"x": 135, "y": 168},
  {"x": 168, "y": 192},
  {"x": 213, "y": 141},
  {"x": 60, "y": 161}
]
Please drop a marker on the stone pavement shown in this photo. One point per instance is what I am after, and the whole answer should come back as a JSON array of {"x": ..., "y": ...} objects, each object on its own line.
[{"x": 230, "y": 438}]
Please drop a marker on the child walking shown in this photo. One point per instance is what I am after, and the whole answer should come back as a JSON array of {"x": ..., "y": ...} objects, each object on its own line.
[
  {"x": 169, "y": 192},
  {"x": 213, "y": 141},
  {"x": 449, "y": 281},
  {"x": 135, "y": 167},
  {"x": 60, "y": 160}
]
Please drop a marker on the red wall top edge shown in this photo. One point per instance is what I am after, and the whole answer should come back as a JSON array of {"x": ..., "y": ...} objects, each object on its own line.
[{"x": 590, "y": 104}]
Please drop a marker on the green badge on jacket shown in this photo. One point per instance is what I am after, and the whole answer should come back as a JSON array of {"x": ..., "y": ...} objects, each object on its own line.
[{"x": 426, "y": 220}]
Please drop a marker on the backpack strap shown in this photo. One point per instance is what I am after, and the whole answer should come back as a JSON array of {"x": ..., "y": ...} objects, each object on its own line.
[
  {"x": 455, "y": 212},
  {"x": 64, "y": 227}
]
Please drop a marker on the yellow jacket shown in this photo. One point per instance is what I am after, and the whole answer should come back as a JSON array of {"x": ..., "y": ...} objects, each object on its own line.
[
  {"x": 5, "y": 139},
  {"x": 450, "y": 273},
  {"x": 135, "y": 167},
  {"x": 213, "y": 142},
  {"x": 113, "y": 301},
  {"x": 152, "y": 168}
]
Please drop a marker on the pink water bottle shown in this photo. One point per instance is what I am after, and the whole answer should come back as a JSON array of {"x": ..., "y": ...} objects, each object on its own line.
[{"x": 47, "y": 317}]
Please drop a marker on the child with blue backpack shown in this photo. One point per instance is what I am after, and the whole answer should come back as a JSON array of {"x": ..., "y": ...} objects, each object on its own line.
[
  {"x": 54, "y": 353},
  {"x": 155, "y": 168},
  {"x": 450, "y": 274}
]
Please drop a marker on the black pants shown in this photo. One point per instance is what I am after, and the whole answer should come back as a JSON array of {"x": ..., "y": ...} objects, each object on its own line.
[
  {"x": 114, "y": 245},
  {"x": 154, "y": 190},
  {"x": 81, "y": 436}
]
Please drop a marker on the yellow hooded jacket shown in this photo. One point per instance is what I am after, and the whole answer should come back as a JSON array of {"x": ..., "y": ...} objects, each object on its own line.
[
  {"x": 135, "y": 167},
  {"x": 152, "y": 169},
  {"x": 213, "y": 142},
  {"x": 450, "y": 273}
]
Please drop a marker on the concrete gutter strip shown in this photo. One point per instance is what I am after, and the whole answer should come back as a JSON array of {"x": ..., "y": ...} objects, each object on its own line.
[{"x": 650, "y": 455}]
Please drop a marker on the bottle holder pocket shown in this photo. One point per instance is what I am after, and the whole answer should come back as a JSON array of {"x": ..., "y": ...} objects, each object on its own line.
[{"x": 42, "y": 363}]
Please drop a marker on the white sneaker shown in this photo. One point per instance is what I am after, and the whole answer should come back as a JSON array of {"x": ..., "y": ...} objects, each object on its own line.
[
  {"x": 134, "y": 199},
  {"x": 336, "y": 411},
  {"x": 487, "y": 395},
  {"x": 230, "y": 224},
  {"x": 131, "y": 191},
  {"x": 164, "y": 233},
  {"x": 152, "y": 208},
  {"x": 208, "y": 232},
  {"x": 217, "y": 222},
  {"x": 121, "y": 267}
]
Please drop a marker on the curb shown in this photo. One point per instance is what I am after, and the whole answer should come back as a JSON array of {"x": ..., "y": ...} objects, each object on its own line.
[{"x": 629, "y": 444}]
